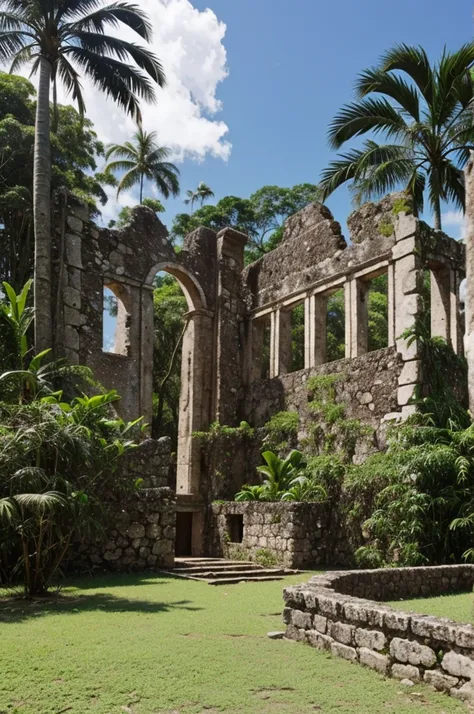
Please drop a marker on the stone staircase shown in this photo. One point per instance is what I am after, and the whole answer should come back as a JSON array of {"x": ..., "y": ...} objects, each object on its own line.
[{"x": 217, "y": 571}]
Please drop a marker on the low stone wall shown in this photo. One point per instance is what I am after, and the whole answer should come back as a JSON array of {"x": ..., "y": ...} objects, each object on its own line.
[
  {"x": 143, "y": 535},
  {"x": 150, "y": 461},
  {"x": 325, "y": 613},
  {"x": 296, "y": 535}
]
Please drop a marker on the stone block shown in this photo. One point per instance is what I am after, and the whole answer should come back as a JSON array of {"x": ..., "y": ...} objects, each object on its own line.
[
  {"x": 294, "y": 633},
  {"x": 434, "y": 628},
  {"x": 287, "y": 615},
  {"x": 72, "y": 297},
  {"x": 374, "y": 660},
  {"x": 341, "y": 650},
  {"x": 301, "y": 619},
  {"x": 458, "y": 665},
  {"x": 328, "y": 606},
  {"x": 136, "y": 530},
  {"x": 438, "y": 680},
  {"x": 74, "y": 317},
  {"x": 73, "y": 250},
  {"x": 372, "y": 639},
  {"x": 411, "y": 372},
  {"x": 465, "y": 636},
  {"x": 318, "y": 640},
  {"x": 405, "y": 394},
  {"x": 75, "y": 224},
  {"x": 406, "y": 671},
  {"x": 320, "y": 623},
  {"x": 355, "y": 612},
  {"x": 464, "y": 693},
  {"x": 153, "y": 531},
  {"x": 341, "y": 632},
  {"x": 71, "y": 337},
  {"x": 412, "y": 652},
  {"x": 404, "y": 247}
]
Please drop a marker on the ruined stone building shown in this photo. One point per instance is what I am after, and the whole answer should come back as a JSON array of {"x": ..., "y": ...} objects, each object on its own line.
[{"x": 237, "y": 361}]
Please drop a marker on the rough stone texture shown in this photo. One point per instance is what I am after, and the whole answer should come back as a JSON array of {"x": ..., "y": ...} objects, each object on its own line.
[
  {"x": 128, "y": 543},
  {"x": 407, "y": 671},
  {"x": 296, "y": 535},
  {"x": 222, "y": 343},
  {"x": 341, "y": 621}
]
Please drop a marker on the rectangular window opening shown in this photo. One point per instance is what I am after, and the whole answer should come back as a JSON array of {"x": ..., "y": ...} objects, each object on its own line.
[
  {"x": 297, "y": 337},
  {"x": 115, "y": 321},
  {"x": 336, "y": 326},
  {"x": 377, "y": 313},
  {"x": 235, "y": 527}
]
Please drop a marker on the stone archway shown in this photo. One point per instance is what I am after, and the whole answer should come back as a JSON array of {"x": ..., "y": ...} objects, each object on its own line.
[{"x": 196, "y": 371}]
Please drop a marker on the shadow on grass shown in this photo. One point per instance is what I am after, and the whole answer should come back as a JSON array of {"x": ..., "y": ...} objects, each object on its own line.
[
  {"x": 106, "y": 579},
  {"x": 19, "y": 609}
]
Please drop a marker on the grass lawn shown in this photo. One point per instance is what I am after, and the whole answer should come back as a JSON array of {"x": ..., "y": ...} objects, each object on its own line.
[
  {"x": 158, "y": 645},
  {"x": 458, "y": 607}
]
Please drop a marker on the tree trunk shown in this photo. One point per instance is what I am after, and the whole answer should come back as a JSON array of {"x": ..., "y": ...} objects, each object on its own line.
[
  {"x": 42, "y": 213},
  {"x": 141, "y": 189},
  {"x": 469, "y": 305},
  {"x": 437, "y": 214}
]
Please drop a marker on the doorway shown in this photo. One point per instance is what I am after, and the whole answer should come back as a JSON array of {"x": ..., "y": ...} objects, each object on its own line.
[{"x": 184, "y": 533}]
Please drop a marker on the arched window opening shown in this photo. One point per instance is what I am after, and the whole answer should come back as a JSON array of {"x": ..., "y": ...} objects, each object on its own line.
[{"x": 116, "y": 320}]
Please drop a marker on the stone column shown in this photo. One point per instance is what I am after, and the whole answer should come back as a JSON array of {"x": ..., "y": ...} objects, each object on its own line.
[
  {"x": 195, "y": 398},
  {"x": 274, "y": 343},
  {"x": 408, "y": 283},
  {"x": 230, "y": 312},
  {"x": 469, "y": 306},
  {"x": 441, "y": 302},
  {"x": 356, "y": 298},
  {"x": 315, "y": 309}
]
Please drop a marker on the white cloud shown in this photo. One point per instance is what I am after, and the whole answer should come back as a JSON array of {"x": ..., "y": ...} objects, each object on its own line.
[
  {"x": 454, "y": 223},
  {"x": 189, "y": 44}
]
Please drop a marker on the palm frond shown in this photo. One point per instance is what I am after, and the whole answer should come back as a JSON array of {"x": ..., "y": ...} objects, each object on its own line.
[
  {"x": 113, "y": 15},
  {"x": 376, "y": 80},
  {"x": 120, "y": 165},
  {"x": 22, "y": 57},
  {"x": 130, "y": 179},
  {"x": 40, "y": 502},
  {"x": 12, "y": 43},
  {"x": 414, "y": 62},
  {"x": 116, "y": 47},
  {"x": 367, "y": 115},
  {"x": 71, "y": 81}
]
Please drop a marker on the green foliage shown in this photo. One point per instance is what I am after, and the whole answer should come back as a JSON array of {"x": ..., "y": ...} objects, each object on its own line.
[
  {"x": 386, "y": 228},
  {"x": 58, "y": 457},
  {"x": 402, "y": 205},
  {"x": 125, "y": 214},
  {"x": 216, "y": 431},
  {"x": 281, "y": 430},
  {"x": 74, "y": 152},
  {"x": 169, "y": 306},
  {"x": 266, "y": 557},
  {"x": 261, "y": 216},
  {"x": 284, "y": 481},
  {"x": 423, "y": 111}
]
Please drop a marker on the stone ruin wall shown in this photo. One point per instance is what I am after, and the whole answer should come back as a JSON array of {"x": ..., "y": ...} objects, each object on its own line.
[
  {"x": 295, "y": 535},
  {"x": 229, "y": 309},
  {"x": 139, "y": 530},
  {"x": 331, "y": 612}
]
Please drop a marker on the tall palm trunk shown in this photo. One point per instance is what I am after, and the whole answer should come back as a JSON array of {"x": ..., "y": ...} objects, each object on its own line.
[
  {"x": 141, "y": 188},
  {"x": 437, "y": 214},
  {"x": 42, "y": 212}
]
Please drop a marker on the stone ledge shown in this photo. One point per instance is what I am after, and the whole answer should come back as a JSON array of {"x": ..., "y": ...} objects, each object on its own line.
[{"x": 327, "y": 613}]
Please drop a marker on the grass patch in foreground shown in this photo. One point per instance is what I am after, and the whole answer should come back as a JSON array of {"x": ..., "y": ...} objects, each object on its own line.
[
  {"x": 159, "y": 645},
  {"x": 457, "y": 606}
]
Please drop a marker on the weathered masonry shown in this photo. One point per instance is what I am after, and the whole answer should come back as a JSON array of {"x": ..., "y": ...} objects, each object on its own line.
[{"x": 238, "y": 360}]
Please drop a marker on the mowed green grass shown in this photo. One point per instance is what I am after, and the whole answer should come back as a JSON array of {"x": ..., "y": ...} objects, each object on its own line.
[
  {"x": 458, "y": 607},
  {"x": 158, "y": 645}
]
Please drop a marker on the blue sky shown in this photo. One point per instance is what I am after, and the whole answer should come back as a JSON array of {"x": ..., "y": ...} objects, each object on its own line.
[{"x": 291, "y": 67}]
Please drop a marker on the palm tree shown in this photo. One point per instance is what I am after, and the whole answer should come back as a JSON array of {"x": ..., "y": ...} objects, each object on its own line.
[
  {"x": 144, "y": 159},
  {"x": 192, "y": 197},
  {"x": 63, "y": 38},
  {"x": 426, "y": 115},
  {"x": 202, "y": 193}
]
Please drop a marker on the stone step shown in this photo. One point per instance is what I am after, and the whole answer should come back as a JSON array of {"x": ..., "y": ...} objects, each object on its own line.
[
  {"x": 218, "y": 567},
  {"x": 235, "y": 581},
  {"x": 242, "y": 574},
  {"x": 191, "y": 562}
]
